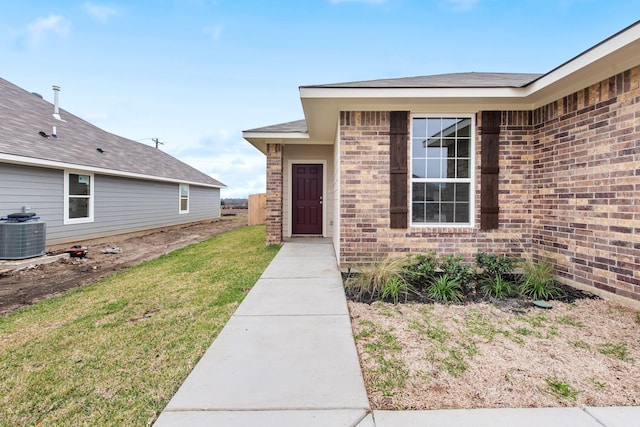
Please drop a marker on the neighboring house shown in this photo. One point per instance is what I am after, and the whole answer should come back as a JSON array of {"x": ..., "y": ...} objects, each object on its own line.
[
  {"x": 547, "y": 165},
  {"x": 84, "y": 182}
]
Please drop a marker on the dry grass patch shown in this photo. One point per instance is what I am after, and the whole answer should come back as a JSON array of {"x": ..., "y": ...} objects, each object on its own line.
[{"x": 435, "y": 356}]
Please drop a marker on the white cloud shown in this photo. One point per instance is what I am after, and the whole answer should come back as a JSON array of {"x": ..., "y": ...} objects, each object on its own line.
[
  {"x": 242, "y": 173},
  {"x": 100, "y": 12},
  {"x": 225, "y": 156},
  {"x": 462, "y": 5},
  {"x": 243, "y": 190},
  {"x": 214, "y": 32},
  {"x": 41, "y": 28},
  {"x": 239, "y": 164}
]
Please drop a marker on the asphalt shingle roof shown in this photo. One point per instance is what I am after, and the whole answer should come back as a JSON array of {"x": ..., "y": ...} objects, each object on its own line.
[
  {"x": 298, "y": 126},
  {"x": 454, "y": 80},
  {"x": 23, "y": 115}
]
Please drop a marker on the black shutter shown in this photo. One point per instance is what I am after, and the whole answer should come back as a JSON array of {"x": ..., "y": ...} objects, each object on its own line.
[
  {"x": 398, "y": 136},
  {"x": 490, "y": 169}
]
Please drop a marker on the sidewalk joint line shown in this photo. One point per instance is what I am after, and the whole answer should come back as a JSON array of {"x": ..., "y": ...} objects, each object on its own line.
[
  {"x": 293, "y": 315},
  {"x": 366, "y": 410},
  {"x": 584, "y": 409},
  {"x": 369, "y": 411}
]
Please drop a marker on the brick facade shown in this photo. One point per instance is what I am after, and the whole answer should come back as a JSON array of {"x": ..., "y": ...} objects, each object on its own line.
[
  {"x": 586, "y": 182},
  {"x": 569, "y": 177},
  {"x": 274, "y": 193},
  {"x": 365, "y": 235}
]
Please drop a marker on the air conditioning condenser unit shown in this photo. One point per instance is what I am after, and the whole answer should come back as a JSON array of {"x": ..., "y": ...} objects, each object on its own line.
[{"x": 20, "y": 240}]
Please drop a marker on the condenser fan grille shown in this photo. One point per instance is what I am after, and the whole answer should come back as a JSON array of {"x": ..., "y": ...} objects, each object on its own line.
[{"x": 20, "y": 240}]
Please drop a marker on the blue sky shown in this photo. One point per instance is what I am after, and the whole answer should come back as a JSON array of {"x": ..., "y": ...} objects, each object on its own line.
[{"x": 195, "y": 73}]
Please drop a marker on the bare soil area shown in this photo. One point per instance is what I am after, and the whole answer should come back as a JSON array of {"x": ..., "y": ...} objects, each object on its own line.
[
  {"x": 36, "y": 282},
  {"x": 480, "y": 355}
]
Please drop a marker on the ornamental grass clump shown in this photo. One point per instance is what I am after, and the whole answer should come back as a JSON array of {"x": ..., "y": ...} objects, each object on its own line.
[
  {"x": 394, "y": 289},
  {"x": 445, "y": 289},
  {"x": 538, "y": 281},
  {"x": 369, "y": 284},
  {"x": 497, "y": 287}
]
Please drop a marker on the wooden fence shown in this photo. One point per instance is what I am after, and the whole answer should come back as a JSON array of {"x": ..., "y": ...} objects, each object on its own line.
[{"x": 257, "y": 209}]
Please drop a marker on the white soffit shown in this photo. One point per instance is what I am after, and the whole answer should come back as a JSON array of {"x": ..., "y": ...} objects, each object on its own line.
[
  {"x": 260, "y": 139},
  {"x": 276, "y": 135}
]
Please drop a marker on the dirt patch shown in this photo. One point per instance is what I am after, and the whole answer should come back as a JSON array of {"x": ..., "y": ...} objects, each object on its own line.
[
  {"x": 26, "y": 286},
  {"x": 478, "y": 355}
]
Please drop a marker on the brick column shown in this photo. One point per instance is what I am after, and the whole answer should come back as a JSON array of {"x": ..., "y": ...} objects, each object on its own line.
[{"x": 274, "y": 193}]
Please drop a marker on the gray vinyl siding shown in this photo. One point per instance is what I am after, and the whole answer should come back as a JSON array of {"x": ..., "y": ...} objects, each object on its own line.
[
  {"x": 38, "y": 188},
  {"x": 204, "y": 203},
  {"x": 121, "y": 205}
]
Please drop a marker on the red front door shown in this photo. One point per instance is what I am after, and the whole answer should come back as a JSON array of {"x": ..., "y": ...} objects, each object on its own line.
[{"x": 307, "y": 199}]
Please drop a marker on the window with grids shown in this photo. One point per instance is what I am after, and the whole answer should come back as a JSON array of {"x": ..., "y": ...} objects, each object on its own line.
[
  {"x": 184, "y": 198},
  {"x": 78, "y": 197},
  {"x": 441, "y": 170}
]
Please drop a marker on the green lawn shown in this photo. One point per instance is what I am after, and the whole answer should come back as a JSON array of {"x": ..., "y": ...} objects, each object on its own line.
[{"x": 115, "y": 352}]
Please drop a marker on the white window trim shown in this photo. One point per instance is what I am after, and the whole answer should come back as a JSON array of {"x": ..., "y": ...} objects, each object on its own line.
[
  {"x": 180, "y": 211},
  {"x": 65, "y": 207},
  {"x": 472, "y": 178}
]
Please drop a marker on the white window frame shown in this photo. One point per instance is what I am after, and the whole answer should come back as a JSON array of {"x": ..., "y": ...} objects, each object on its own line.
[
  {"x": 90, "y": 197},
  {"x": 471, "y": 180},
  {"x": 180, "y": 210}
]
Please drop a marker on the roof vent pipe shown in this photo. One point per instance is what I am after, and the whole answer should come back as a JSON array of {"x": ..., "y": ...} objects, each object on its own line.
[{"x": 56, "y": 110}]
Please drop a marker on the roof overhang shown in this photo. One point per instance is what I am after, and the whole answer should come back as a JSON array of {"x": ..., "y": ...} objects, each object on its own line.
[
  {"x": 31, "y": 161},
  {"x": 618, "y": 53},
  {"x": 261, "y": 139},
  {"x": 322, "y": 109}
]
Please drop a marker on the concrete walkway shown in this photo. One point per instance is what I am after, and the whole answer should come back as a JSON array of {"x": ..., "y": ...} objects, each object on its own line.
[{"x": 287, "y": 358}]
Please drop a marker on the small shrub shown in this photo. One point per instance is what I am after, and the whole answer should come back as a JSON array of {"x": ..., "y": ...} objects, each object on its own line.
[
  {"x": 495, "y": 265},
  {"x": 538, "y": 282},
  {"x": 452, "y": 266},
  {"x": 638, "y": 318},
  {"x": 369, "y": 285},
  {"x": 497, "y": 287},
  {"x": 421, "y": 268},
  {"x": 445, "y": 289}
]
